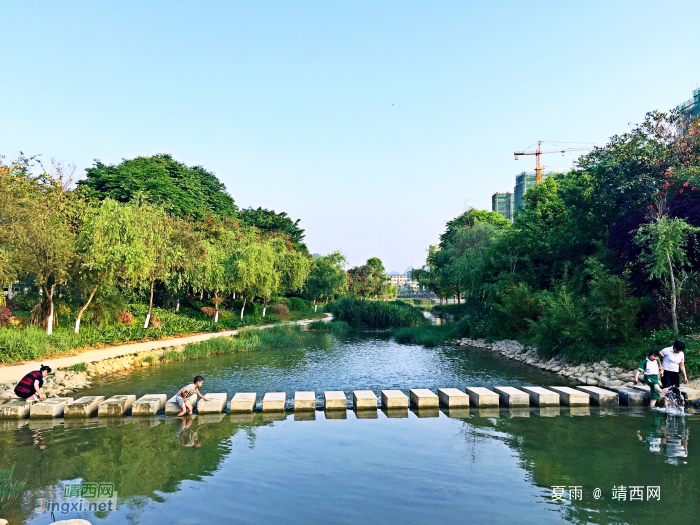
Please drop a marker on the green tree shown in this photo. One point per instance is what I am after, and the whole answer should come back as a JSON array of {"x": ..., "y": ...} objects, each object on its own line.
[
  {"x": 38, "y": 222},
  {"x": 327, "y": 278},
  {"x": 161, "y": 181},
  {"x": 110, "y": 249},
  {"x": 664, "y": 240},
  {"x": 270, "y": 222}
]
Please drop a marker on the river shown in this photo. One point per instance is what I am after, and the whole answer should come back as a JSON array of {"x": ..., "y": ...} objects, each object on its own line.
[{"x": 425, "y": 467}]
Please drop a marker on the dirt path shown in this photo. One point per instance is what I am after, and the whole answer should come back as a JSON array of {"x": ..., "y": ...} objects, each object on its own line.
[{"x": 15, "y": 371}]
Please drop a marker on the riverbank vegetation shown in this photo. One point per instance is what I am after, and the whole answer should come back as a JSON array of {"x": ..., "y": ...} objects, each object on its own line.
[
  {"x": 375, "y": 315},
  {"x": 600, "y": 259}
]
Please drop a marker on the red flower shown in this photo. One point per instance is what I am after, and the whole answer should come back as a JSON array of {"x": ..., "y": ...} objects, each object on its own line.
[
  {"x": 666, "y": 185},
  {"x": 693, "y": 188},
  {"x": 667, "y": 174},
  {"x": 685, "y": 184},
  {"x": 680, "y": 191}
]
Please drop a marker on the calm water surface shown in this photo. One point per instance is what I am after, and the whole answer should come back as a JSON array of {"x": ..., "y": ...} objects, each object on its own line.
[{"x": 377, "y": 467}]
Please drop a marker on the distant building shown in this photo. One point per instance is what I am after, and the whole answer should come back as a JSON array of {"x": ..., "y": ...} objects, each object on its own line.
[
  {"x": 400, "y": 279},
  {"x": 523, "y": 182},
  {"x": 503, "y": 203},
  {"x": 691, "y": 108}
]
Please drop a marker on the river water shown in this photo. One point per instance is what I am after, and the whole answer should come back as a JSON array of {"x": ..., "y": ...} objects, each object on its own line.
[{"x": 420, "y": 467}]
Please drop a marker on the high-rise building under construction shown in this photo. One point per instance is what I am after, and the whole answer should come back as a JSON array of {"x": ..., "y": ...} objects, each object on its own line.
[
  {"x": 691, "y": 108},
  {"x": 503, "y": 204},
  {"x": 523, "y": 182}
]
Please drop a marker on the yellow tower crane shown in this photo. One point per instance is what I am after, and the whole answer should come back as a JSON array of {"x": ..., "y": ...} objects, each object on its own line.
[{"x": 538, "y": 152}]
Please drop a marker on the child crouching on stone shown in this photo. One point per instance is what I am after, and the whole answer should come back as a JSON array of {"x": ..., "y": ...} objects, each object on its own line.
[
  {"x": 186, "y": 392},
  {"x": 652, "y": 369}
]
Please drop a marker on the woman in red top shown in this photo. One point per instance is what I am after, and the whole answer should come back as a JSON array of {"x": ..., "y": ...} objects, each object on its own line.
[{"x": 29, "y": 387}]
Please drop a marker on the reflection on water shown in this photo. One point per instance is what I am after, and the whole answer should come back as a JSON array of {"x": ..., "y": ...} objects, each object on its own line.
[
  {"x": 367, "y": 466},
  {"x": 343, "y": 466}
]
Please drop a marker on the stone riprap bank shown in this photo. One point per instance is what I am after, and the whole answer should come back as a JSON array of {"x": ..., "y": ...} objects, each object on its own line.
[{"x": 593, "y": 374}]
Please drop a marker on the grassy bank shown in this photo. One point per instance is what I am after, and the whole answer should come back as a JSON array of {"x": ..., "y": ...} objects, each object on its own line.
[
  {"x": 332, "y": 326},
  {"x": 426, "y": 335},
  {"x": 248, "y": 339},
  {"x": 30, "y": 342},
  {"x": 375, "y": 315}
]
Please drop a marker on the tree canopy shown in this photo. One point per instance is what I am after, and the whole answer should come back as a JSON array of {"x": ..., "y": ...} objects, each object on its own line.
[{"x": 162, "y": 181}]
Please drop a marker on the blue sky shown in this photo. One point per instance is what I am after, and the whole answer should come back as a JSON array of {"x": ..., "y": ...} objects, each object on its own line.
[{"x": 372, "y": 122}]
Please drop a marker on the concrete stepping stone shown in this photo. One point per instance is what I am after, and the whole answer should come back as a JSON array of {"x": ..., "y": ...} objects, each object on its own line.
[
  {"x": 115, "y": 406},
  {"x": 215, "y": 405},
  {"x": 600, "y": 396},
  {"x": 633, "y": 396},
  {"x": 482, "y": 397},
  {"x": 423, "y": 398},
  {"x": 243, "y": 402},
  {"x": 85, "y": 406},
  {"x": 173, "y": 409},
  {"x": 394, "y": 399},
  {"x": 512, "y": 397},
  {"x": 304, "y": 401},
  {"x": 364, "y": 399},
  {"x": 541, "y": 397},
  {"x": 274, "y": 401},
  {"x": 572, "y": 397},
  {"x": 15, "y": 410},
  {"x": 518, "y": 411},
  {"x": 453, "y": 397},
  {"x": 50, "y": 408},
  {"x": 149, "y": 405},
  {"x": 335, "y": 399}
]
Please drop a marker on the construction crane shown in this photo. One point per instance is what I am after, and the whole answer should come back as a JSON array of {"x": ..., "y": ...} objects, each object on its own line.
[{"x": 538, "y": 152}]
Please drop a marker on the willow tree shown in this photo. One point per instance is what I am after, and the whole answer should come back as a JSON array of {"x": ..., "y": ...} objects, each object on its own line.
[
  {"x": 38, "y": 222},
  {"x": 291, "y": 268},
  {"x": 251, "y": 264},
  {"x": 158, "y": 253}
]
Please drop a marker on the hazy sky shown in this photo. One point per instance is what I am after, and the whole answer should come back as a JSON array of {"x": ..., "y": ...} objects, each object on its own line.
[{"x": 372, "y": 122}]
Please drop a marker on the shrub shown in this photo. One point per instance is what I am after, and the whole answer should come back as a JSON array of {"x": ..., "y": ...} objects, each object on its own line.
[
  {"x": 280, "y": 309},
  {"x": 209, "y": 311},
  {"x": 5, "y": 314},
  {"x": 126, "y": 318},
  {"x": 154, "y": 322},
  {"x": 375, "y": 314},
  {"x": 325, "y": 326},
  {"x": 26, "y": 301},
  {"x": 78, "y": 367},
  {"x": 428, "y": 336},
  {"x": 297, "y": 303}
]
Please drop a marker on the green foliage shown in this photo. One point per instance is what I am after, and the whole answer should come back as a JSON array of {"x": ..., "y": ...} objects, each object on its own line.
[
  {"x": 329, "y": 326},
  {"x": 428, "y": 336},
  {"x": 78, "y": 367},
  {"x": 370, "y": 281},
  {"x": 9, "y": 490},
  {"x": 162, "y": 181},
  {"x": 271, "y": 222},
  {"x": 297, "y": 303},
  {"x": 372, "y": 315},
  {"x": 327, "y": 278}
]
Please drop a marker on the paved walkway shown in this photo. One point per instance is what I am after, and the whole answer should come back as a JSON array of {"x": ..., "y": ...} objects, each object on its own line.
[{"x": 14, "y": 372}]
